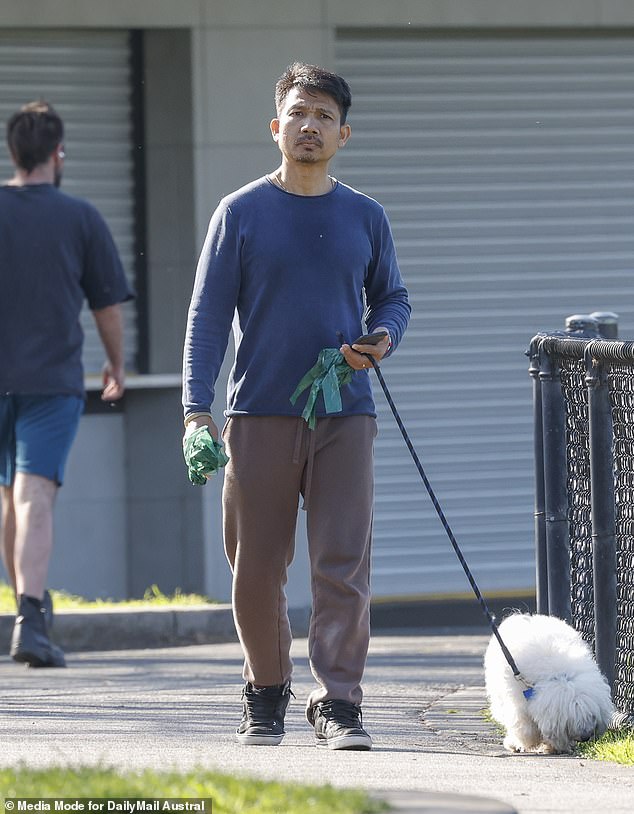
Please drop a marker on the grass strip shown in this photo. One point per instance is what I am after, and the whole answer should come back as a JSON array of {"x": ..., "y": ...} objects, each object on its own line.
[
  {"x": 230, "y": 795},
  {"x": 616, "y": 746},
  {"x": 153, "y": 597}
]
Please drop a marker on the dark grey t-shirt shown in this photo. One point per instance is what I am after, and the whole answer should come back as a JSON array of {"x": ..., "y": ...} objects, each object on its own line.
[{"x": 55, "y": 252}]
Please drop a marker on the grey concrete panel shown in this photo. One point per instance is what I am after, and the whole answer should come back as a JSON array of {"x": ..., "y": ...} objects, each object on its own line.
[
  {"x": 89, "y": 555},
  {"x": 157, "y": 551},
  {"x": 164, "y": 534},
  {"x": 89, "y": 550},
  {"x": 95, "y": 466},
  {"x": 95, "y": 13},
  {"x": 169, "y": 173},
  {"x": 257, "y": 14},
  {"x": 463, "y": 13},
  {"x": 242, "y": 66},
  {"x": 154, "y": 454}
]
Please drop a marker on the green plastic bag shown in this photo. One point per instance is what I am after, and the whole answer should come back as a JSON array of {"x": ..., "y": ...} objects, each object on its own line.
[
  {"x": 203, "y": 455},
  {"x": 328, "y": 375}
]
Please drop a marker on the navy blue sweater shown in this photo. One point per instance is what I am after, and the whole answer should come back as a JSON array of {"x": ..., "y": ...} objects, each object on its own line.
[{"x": 293, "y": 270}]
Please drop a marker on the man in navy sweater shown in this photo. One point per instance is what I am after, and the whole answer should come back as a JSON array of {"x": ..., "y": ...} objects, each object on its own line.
[{"x": 292, "y": 260}]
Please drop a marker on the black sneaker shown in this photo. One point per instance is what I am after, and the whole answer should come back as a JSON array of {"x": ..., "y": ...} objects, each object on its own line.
[
  {"x": 263, "y": 714},
  {"x": 30, "y": 643},
  {"x": 338, "y": 725}
]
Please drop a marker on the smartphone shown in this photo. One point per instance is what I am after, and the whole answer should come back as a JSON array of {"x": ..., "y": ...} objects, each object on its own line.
[{"x": 370, "y": 339}]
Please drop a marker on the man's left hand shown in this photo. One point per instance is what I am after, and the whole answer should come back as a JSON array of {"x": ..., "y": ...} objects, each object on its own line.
[{"x": 356, "y": 355}]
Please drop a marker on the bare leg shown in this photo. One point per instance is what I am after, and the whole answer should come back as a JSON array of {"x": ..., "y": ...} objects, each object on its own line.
[
  {"x": 33, "y": 500},
  {"x": 7, "y": 532}
]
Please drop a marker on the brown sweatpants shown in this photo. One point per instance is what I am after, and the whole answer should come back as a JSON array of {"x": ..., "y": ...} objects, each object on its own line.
[{"x": 273, "y": 461}]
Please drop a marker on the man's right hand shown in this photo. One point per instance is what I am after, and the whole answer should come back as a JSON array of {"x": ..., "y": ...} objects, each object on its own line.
[
  {"x": 113, "y": 382},
  {"x": 202, "y": 421}
]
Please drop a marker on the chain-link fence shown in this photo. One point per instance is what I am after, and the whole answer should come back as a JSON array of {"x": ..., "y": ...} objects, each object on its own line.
[{"x": 584, "y": 506}]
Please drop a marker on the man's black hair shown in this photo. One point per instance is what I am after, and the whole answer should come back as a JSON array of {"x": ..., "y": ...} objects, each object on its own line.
[
  {"x": 33, "y": 133},
  {"x": 313, "y": 78}
]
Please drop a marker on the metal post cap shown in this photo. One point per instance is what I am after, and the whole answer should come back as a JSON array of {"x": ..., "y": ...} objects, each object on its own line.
[
  {"x": 582, "y": 322},
  {"x": 608, "y": 323}
]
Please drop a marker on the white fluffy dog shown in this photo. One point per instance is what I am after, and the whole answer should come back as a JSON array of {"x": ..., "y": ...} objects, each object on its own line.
[{"x": 570, "y": 698}]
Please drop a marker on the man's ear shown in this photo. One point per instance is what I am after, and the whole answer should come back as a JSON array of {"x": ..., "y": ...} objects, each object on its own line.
[
  {"x": 275, "y": 128},
  {"x": 344, "y": 134}
]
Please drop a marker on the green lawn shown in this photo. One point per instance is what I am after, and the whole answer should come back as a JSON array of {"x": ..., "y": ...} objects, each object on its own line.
[
  {"x": 615, "y": 746},
  {"x": 64, "y": 601},
  {"x": 230, "y": 795}
]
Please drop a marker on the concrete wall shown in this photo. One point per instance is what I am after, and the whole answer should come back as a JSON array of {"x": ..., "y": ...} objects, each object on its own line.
[
  {"x": 325, "y": 13},
  {"x": 90, "y": 554},
  {"x": 169, "y": 180},
  {"x": 127, "y": 516}
]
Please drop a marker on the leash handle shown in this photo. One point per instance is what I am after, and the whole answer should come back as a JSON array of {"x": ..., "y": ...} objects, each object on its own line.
[{"x": 485, "y": 609}]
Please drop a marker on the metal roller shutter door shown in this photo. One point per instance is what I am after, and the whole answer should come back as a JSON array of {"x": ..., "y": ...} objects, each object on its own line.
[
  {"x": 505, "y": 163},
  {"x": 86, "y": 76}
]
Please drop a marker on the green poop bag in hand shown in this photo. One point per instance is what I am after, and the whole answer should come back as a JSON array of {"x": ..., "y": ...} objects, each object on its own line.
[
  {"x": 203, "y": 455},
  {"x": 327, "y": 376}
]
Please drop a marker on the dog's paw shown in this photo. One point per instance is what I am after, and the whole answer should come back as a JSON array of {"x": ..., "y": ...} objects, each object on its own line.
[
  {"x": 547, "y": 748},
  {"x": 511, "y": 744}
]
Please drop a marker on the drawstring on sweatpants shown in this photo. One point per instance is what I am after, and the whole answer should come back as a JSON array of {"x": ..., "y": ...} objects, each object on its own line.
[
  {"x": 299, "y": 434},
  {"x": 310, "y": 465},
  {"x": 302, "y": 429}
]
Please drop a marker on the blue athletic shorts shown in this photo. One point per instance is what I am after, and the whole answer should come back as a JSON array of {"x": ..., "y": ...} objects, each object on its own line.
[{"x": 36, "y": 434}]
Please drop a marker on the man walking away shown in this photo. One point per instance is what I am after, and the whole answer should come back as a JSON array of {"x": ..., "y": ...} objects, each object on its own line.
[{"x": 55, "y": 252}]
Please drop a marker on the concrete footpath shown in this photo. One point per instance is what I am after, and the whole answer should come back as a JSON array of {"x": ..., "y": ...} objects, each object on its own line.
[{"x": 177, "y": 707}]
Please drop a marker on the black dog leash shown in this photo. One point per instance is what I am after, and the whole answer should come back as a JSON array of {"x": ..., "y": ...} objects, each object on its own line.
[{"x": 528, "y": 692}]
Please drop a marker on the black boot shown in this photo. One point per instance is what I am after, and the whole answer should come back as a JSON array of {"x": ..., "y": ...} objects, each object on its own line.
[
  {"x": 30, "y": 643},
  {"x": 47, "y": 605}
]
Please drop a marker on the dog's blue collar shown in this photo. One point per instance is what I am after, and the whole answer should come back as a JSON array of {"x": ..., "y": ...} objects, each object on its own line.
[{"x": 528, "y": 690}]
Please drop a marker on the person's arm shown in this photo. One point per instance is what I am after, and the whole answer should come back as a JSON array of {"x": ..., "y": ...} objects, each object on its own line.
[
  {"x": 105, "y": 286},
  {"x": 388, "y": 307},
  {"x": 387, "y": 299},
  {"x": 109, "y": 322},
  {"x": 209, "y": 318}
]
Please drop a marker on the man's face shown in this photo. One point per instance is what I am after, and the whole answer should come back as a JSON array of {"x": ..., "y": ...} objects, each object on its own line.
[{"x": 308, "y": 129}]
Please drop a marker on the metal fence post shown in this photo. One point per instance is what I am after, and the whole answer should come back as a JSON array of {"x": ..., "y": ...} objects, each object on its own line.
[
  {"x": 608, "y": 323},
  {"x": 603, "y": 517},
  {"x": 541, "y": 553},
  {"x": 555, "y": 488}
]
